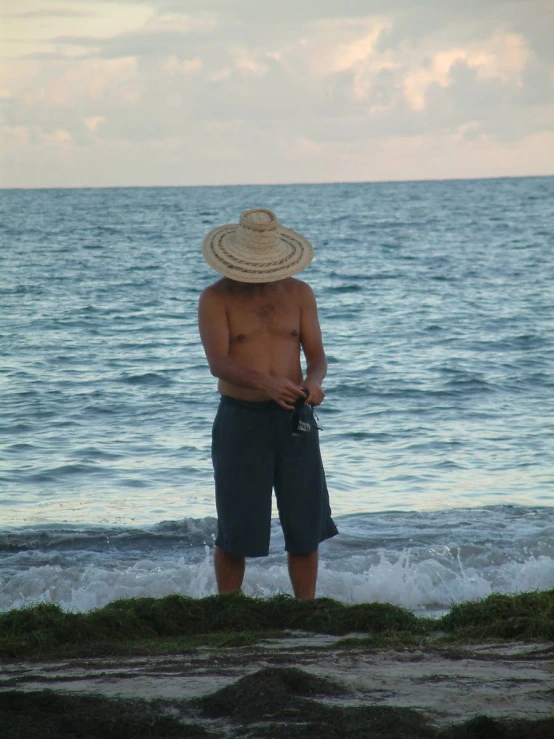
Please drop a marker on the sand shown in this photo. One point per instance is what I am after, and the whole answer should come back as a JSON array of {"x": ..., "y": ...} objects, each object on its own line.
[{"x": 443, "y": 683}]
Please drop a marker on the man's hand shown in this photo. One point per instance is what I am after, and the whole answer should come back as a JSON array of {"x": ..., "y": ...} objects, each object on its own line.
[
  {"x": 315, "y": 393},
  {"x": 283, "y": 391}
]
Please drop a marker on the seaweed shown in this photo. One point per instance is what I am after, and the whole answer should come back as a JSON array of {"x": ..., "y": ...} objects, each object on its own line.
[{"x": 151, "y": 623}]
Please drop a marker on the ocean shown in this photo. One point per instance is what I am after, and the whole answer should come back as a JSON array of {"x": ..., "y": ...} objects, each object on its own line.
[{"x": 436, "y": 301}]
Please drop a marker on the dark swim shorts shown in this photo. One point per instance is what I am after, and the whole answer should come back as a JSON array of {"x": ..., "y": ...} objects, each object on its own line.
[{"x": 254, "y": 451}]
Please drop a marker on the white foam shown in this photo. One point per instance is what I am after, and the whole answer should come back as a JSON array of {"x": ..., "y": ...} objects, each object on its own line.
[{"x": 428, "y": 585}]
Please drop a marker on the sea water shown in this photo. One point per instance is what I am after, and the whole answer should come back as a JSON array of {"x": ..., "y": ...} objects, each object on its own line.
[{"x": 436, "y": 301}]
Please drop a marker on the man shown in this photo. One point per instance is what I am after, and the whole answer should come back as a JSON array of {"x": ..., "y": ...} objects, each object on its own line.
[{"x": 253, "y": 323}]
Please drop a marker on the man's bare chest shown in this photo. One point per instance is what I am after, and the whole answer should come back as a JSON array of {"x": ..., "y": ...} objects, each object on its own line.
[{"x": 249, "y": 320}]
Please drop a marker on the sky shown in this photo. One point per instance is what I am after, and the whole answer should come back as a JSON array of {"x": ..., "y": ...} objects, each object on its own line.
[{"x": 197, "y": 92}]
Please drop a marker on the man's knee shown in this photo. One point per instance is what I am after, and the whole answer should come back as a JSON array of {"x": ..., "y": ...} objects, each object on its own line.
[{"x": 229, "y": 557}]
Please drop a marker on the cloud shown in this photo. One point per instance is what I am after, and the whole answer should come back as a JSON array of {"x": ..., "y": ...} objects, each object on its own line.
[
  {"x": 504, "y": 56},
  {"x": 93, "y": 122},
  {"x": 51, "y": 13},
  {"x": 59, "y": 136},
  {"x": 249, "y": 63},
  {"x": 144, "y": 43},
  {"x": 173, "y": 65}
]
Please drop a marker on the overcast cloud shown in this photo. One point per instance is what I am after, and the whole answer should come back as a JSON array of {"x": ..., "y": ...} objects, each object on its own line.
[{"x": 237, "y": 91}]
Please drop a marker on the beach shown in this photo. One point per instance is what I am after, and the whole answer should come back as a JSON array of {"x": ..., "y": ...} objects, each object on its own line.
[
  {"x": 443, "y": 686},
  {"x": 397, "y": 676}
]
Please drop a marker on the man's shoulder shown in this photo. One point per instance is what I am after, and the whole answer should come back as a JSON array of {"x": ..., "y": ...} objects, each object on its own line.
[
  {"x": 299, "y": 285},
  {"x": 216, "y": 288},
  {"x": 212, "y": 297},
  {"x": 301, "y": 289}
]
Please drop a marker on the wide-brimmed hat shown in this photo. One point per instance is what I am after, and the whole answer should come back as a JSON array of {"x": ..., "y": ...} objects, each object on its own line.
[{"x": 257, "y": 249}]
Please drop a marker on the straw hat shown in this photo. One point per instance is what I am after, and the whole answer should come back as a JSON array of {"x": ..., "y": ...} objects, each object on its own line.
[{"x": 257, "y": 249}]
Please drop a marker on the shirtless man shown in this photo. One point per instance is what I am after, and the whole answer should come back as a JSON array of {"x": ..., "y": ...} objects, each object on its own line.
[{"x": 253, "y": 323}]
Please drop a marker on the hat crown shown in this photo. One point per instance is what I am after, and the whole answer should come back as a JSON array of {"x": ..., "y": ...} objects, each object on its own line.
[
  {"x": 259, "y": 219},
  {"x": 257, "y": 230}
]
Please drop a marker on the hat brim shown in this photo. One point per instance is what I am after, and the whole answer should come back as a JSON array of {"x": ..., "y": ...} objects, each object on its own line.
[{"x": 243, "y": 264}]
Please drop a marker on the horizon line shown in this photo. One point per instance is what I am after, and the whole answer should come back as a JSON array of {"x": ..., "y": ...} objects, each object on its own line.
[{"x": 279, "y": 184}]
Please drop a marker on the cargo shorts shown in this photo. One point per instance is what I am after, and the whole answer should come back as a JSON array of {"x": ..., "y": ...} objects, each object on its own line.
[{"x": 254, "y": 451}]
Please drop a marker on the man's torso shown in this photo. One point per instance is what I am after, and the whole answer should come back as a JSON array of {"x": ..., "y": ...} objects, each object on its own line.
[{"x": 264, "y": 331}]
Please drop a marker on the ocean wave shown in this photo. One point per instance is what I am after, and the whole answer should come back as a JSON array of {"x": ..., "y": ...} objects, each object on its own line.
[
  {"x": 345, "y": 288},
  {"x": 422, "y": 561},
  {"x": 428, "y": 586},
  {"x": 148, "y": 378},
  {"x": 64, "y": 470},
  {"x": 187, "y": 532}
]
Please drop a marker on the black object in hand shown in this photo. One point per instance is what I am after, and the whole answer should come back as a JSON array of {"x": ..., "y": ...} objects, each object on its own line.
[
  {"x": 299, "y": 426},
  {"x": 299, "y": 402}
]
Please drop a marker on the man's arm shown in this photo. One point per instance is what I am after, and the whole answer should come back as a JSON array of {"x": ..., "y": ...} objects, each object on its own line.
[
  {"x": 214, "y": 333},
  {"x": 312, "y": 344}
]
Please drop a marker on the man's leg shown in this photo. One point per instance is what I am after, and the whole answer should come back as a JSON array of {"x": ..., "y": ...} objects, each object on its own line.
[
  {"x": 229, "y": 570},
  {"x": 303, "y": 574}
]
